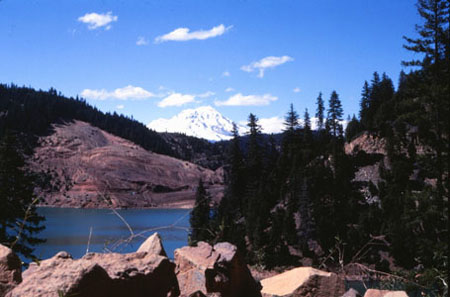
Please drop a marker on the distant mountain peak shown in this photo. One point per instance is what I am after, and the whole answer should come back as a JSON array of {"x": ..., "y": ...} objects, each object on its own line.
[{"x": 203, "y": 122}]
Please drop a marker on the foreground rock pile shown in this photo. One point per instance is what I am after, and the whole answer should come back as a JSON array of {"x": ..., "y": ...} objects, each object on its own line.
[
  {"x": 10, "y": 270},
  {"x": 204, "y": 270},
  {"x": 216, "y": 269},
  {"x": 303, "y": 281}
]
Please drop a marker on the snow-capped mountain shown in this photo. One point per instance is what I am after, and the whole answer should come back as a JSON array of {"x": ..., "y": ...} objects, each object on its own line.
[{"x": 203, "y": 122}]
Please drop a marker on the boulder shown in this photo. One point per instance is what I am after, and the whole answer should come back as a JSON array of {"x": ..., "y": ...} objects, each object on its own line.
[
  {"x": 384, "y": 293},
  {"x": 100, "y": 275},
  {"x": 197, "y": 294},
  {"x": 10, "y": 270},
  {"x": 351, "y": 293},
  {"x": 217, "y": 270},
  {"x": 153, "y": 245},
  {"x": 303, "y": 281}
]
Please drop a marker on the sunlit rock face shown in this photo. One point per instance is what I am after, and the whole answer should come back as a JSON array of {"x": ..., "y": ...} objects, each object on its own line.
[{"x": 89, "y": 167}]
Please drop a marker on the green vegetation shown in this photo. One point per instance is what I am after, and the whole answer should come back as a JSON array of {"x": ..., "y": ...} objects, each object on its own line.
[
  {"x": 303, "y": 200},
  {"x": 19, "y": 221},
  {"x": 200, "y": 216},
  {"x": 32, "y": 113}
]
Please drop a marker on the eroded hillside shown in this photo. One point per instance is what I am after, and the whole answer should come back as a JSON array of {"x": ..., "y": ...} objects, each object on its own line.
[{"x": 89, "y": 167}]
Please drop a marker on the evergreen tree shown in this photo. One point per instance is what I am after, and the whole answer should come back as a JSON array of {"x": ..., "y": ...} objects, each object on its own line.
[
  {"x": 320, "y": 113},
  {"x": 291, "y": 122},
  {"x": 254, "y": 173},
  {"x": 307, "y": 120},
  {"x": 232, "y": 206},
  {"x": 19, "y": 220},
  {"x": 365, "y": 105},
  {"x": 434, "y": 41},
  {"x": 335, "y": 113},
  {"x": 434, "y": 45},
  {"x": 353, "y": 128},
  {"x": 383, "y": 112},
  {"x": 200, "y": 216},
  {"x": 254, "y": 158},
  {"x": 307, "y": 133}
]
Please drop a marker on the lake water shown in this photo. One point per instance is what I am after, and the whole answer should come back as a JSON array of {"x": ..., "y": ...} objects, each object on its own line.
[{"x": 67, "y": 229}]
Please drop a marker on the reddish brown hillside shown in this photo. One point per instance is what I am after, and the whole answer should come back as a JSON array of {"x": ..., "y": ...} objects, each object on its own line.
[{"x": 92, "y": 168}]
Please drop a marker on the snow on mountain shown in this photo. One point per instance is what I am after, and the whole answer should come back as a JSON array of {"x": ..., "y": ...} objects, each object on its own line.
[
  {"x": 203, "y": 122},
  {"x": 206, "y": 122}
]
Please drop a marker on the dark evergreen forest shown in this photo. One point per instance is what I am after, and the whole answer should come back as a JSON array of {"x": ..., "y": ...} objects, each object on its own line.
[
  {"x": 31, "y": 113},
  {"x": 294, "y": 198},
  {"x": 301, "y": 204}
]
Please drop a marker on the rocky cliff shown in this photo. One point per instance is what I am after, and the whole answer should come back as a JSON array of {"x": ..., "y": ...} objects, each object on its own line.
[{"x": 88, "y": 167}]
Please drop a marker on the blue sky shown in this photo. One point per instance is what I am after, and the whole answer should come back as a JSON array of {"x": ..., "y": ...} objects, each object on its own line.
[{"x": 238, "y": 56}]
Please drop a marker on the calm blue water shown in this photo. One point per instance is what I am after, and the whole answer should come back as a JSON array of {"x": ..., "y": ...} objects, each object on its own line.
[{"x": 67, "y": 229}]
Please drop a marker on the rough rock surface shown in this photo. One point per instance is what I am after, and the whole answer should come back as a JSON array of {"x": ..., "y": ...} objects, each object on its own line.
[
  {"x": 101, "y": 275},
  {"x": 370, "y": 144},
  {"x": 303, "y": 281},
  {"x": 217, "y": 270},
  {"x": 153, "y": 245},
  {"x": 10, "y": 270},
  {"x": 351, "y": 293},
  {"x": 385, "y": 293},
  {"x": 92, "y": 168}
]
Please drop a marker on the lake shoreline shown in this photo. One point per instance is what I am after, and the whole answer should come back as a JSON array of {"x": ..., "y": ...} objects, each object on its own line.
[
  {"x": 73, "y": 229},
  {"x": 190, "y": 206}
]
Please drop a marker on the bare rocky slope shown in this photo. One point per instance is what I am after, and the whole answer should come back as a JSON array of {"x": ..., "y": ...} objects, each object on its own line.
[{"x": 91, "y": 168}]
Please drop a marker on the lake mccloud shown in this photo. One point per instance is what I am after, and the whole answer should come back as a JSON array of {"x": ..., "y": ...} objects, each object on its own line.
[{"x": 69, "y": 229}]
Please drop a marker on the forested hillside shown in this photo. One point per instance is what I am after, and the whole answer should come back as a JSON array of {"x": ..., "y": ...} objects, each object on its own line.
[
  {"x": 32, "y": 113},
  {"x": 304, "y": 204}
]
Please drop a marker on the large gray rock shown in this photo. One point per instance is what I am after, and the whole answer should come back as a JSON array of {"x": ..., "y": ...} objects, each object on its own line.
[
  {"x": 303, "y": 281},
  {"x": 153, "y": 245},
  {"x": 10, "y": 270},
  {"x": 217, "y": 270},
  {"x": 101, "y": 275},
  {"x": 384, "y": 293},
  {"x": 351, "y": 293}
]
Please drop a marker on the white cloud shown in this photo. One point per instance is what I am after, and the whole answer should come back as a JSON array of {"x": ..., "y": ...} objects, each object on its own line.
[
  {"x": 269, "y": 125},
  {"x": 249, "y": 100},
  {"x": 141, "y": 41},
  {"x": 276, "y": 124},
  {"x": 272, "y": 125},
  {"x": 96, "y": 20},
  {"x": 206, "y": 94},
  {"x": 226, "y": 74},
  {"x": 184, "y": 34},
  {"x": 229, "y": 90},
  {"x": 265, "y": 63},
  {"x": 176, "y": 99},
  {"x": 296, "y": 90},
  {"x": 120, "y": 106},
  {"x": 128, "y": 92}
]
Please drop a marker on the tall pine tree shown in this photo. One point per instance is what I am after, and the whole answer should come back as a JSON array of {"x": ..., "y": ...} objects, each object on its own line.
[
  {"x": 200, "y": 216},
  {"x": 19, "y": 220},
  {"x": 320, "y": 113},
  {"x": 335, "y": 113}
]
